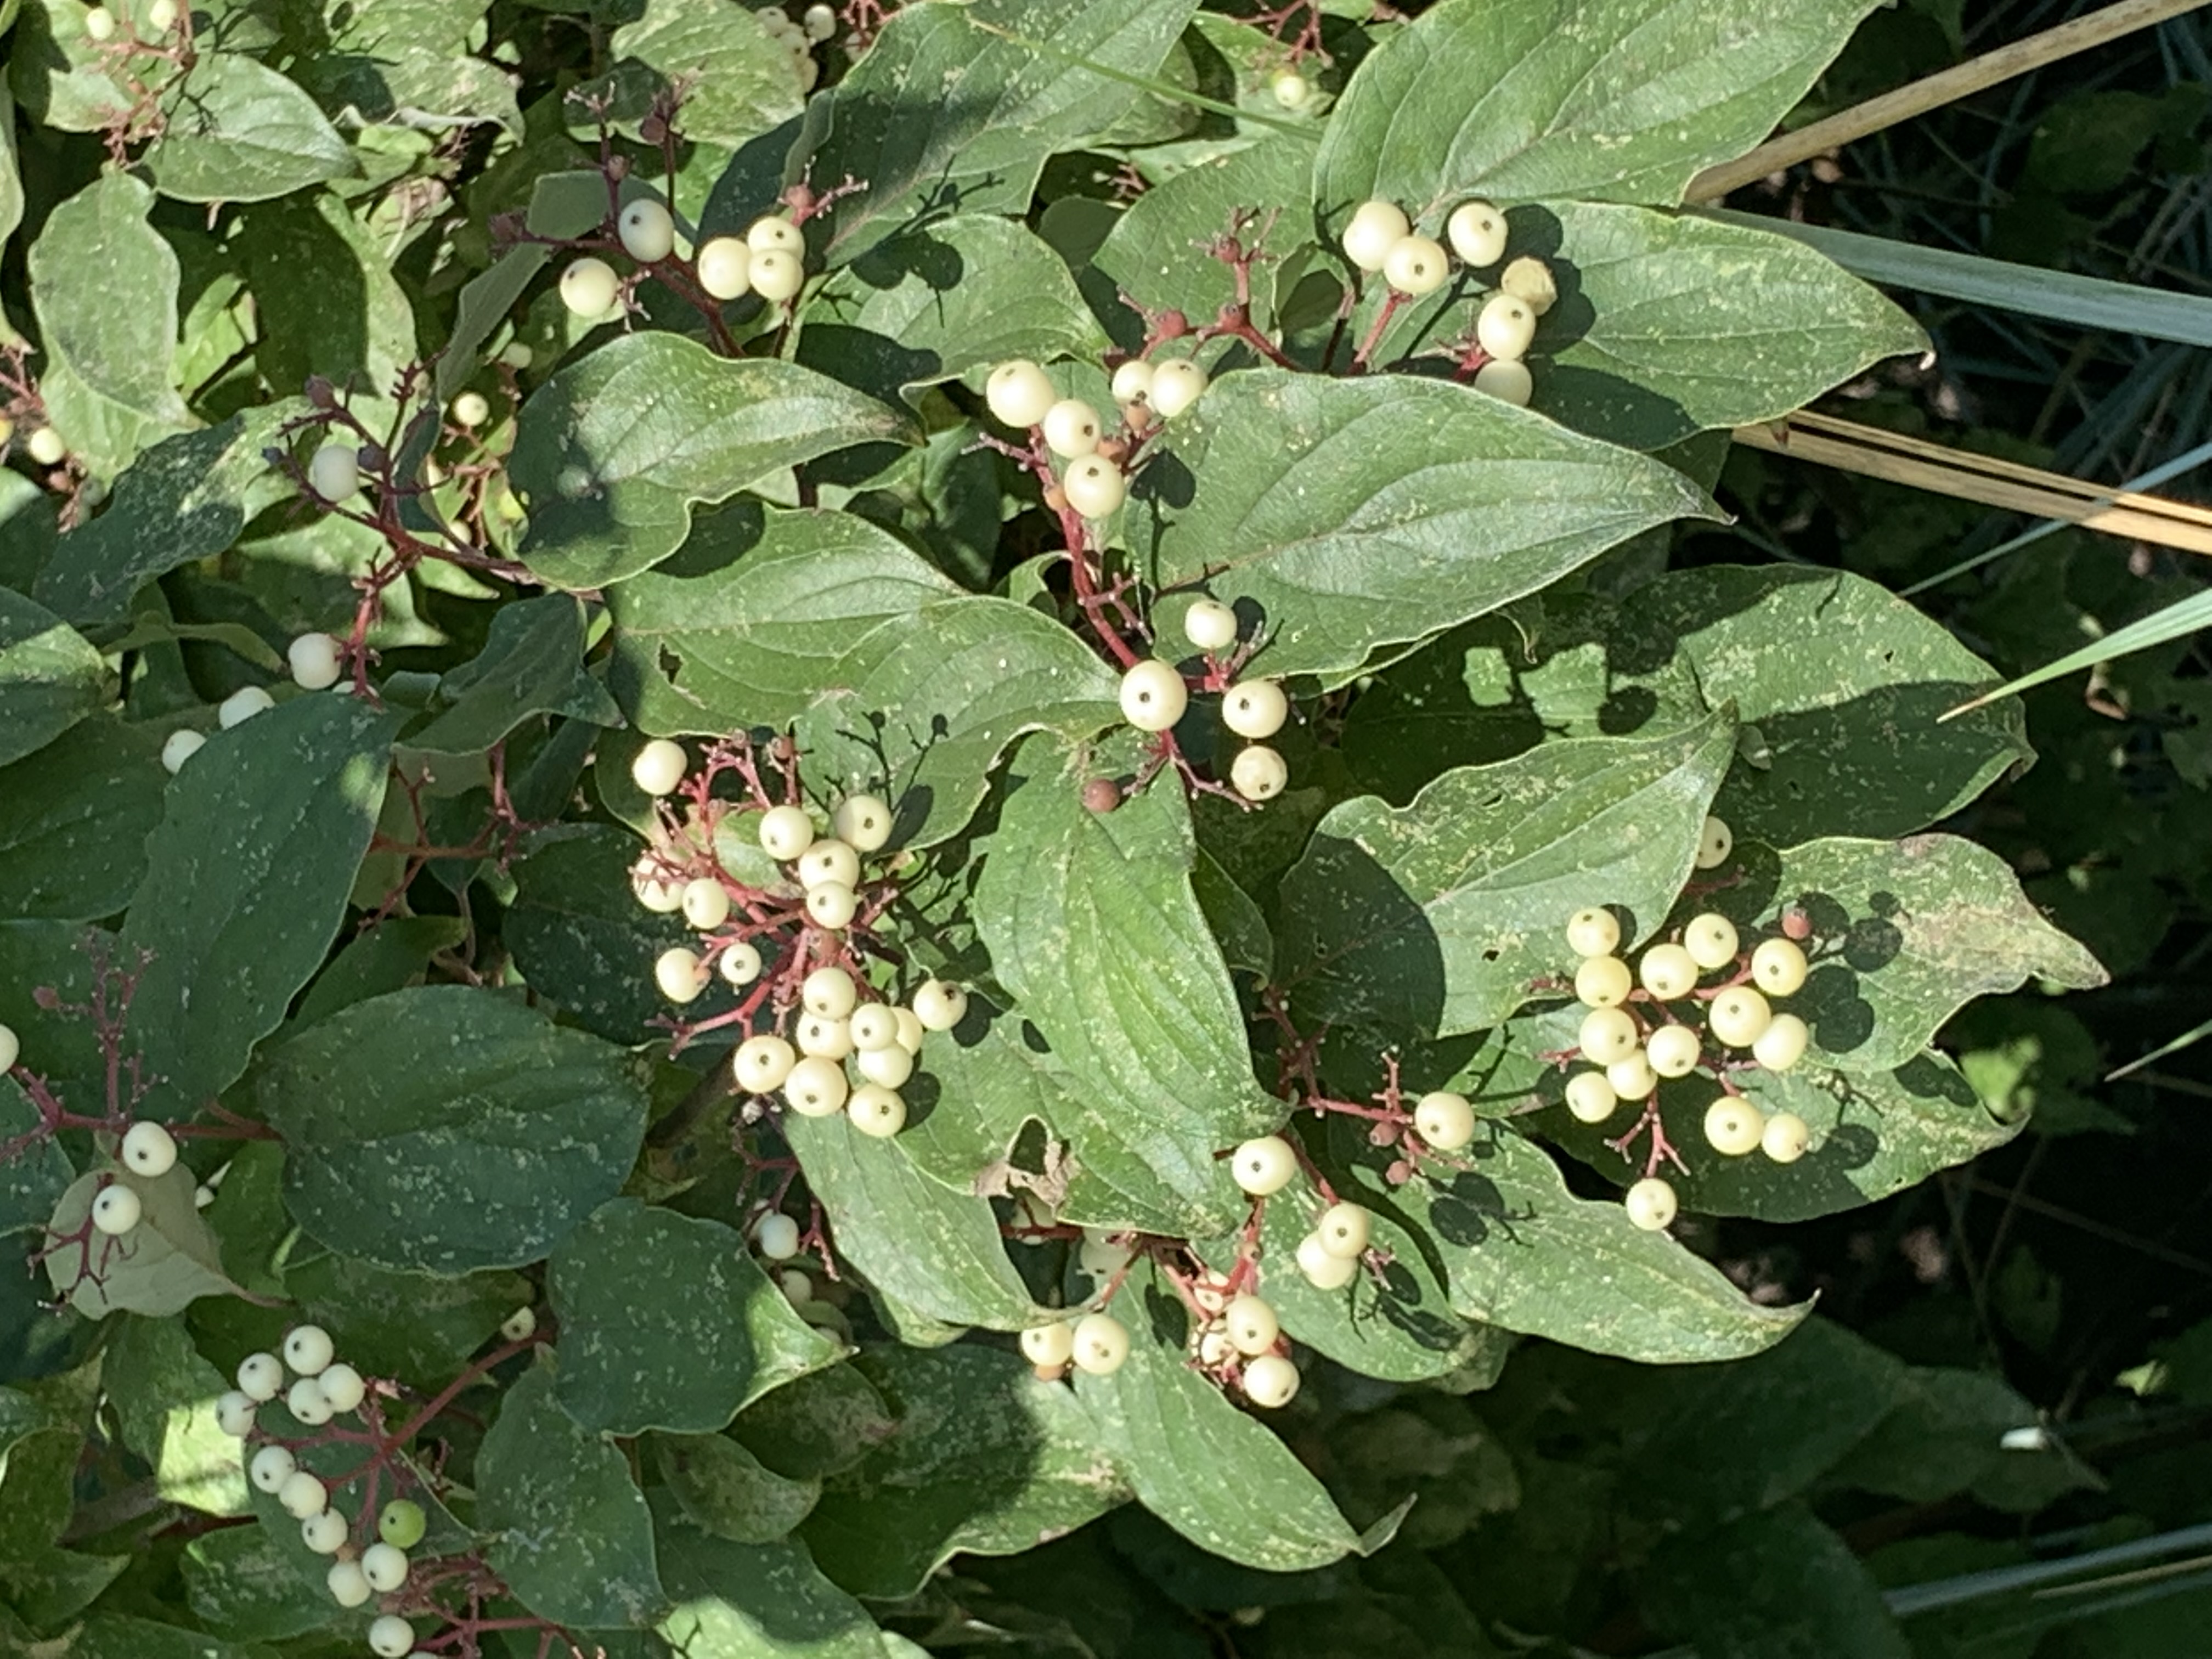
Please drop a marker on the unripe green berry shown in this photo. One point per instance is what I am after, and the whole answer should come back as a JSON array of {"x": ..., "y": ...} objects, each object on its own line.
[{"x": 402, "y": 1524}]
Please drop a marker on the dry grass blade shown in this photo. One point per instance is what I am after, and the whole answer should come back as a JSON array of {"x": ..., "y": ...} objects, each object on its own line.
[{"x": 1935, "y": 91}]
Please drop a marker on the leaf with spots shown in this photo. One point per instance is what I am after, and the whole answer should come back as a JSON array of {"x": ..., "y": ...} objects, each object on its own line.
[
  {"x": 924, "y": 706},
  {"x": 728, "y": 1491},
  {"x": 582, "y": 939},
  {"x": 532, "y": 664},
  {"x": 571, "y": 1533},
  {"x": 636, "y": 1354},
  {"x": 1438, "y": 917},
  {"x": 1362, "y": 515},
  {"x": 935, "y": 1250},
  {"x": 983, "y": 1458},
  {"x": 1611, "y": 101},
  {"x": 1151, "y": 252},
  {"x": 50, "y": 677},
  {"x": 74, "y": 819},
  {"x": 1904, "y": 935},
  {"x": 442, "y": 1128},
  {"x": 1092, "y": 925},
  {"x": 769, "y": 1600},
  {"x": 613, "y": 452},
  {"x": 246, "y": 887},
  {"x": 1517, "y": 1249},
  {"x": 1217, "y": 1475}
]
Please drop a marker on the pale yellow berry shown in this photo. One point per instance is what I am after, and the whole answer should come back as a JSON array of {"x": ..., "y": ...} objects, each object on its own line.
[
  {"x": 1591, "y": 1097},
  {"x": 1673, "y": 1050},
  {"x": 1606, "y": 1035},
  {"x": 1593, "y": 933},
  {"x": 1668, "y": 971},
  {"x": 1786, "y": 1138},
  {"x": 1782, "y": 1045},
  {"x": 1733, "y": 1126},
  {"x": 1650, "y": 1204},
  {"x": 1602, "y": 981},
  {"x": 1738, "y": 1016},
  {"x": 1778, "y": 967},
  {"x": 1711, "y": 940}
]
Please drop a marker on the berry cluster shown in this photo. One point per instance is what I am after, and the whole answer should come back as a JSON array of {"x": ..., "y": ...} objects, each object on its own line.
[
  {"x": 810, "y": 977},
  {"x": 148, "y": 1150},
  {"x": 769, "y": 260},
  {"x": 1155, "y": 695},
  {"x": 1381, "y": 239},
  {"x": 800, "y": 38},
  {"x": 1636, "y": 1035},
  {"x": 316, "y": 661},
  {"x": 1093, "y": 482}
]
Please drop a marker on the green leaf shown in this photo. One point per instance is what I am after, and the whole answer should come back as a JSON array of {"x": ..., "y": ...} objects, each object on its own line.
[
  {"x": 325, "y": 297},
  {"x": 758, "y": 1602},
  {"x": 1904, "y": 935},
  {"x": 1776, "y": 1582},
  {"x": 581, "y": 938},
  {"x": 573, "y": 1537},
  {"x": 245, "y": 887},
  {"x": 634, "y": 1357},
  {"x": 50, "y": 677},
  {"x": 1517, "y": 1249},
  {"x": 532, "y": 664},
  {"x": 1011, "y": 81},
  {"x": 726, "y": 1491},
  {"x": 822, "y": 1423},
  {"x": 1612, "y": 100},
  {"x": 161, "y": 1266},
  {"x": 1361, "y": 514},
  {"x": 1216, "y": 1476},
  {"x": 118, "y": 1636},
  {"x": 1674, "y": 325},
  {"x": 164, "y": 1394},
  {"x": 740, "y": 81},
  {"x": 612, "y": 452},
  {"x": 985, "y": 1459},
  {"x": 924, "y": 705},
  {"x": 417, "y": 1327},
  {"x": 241, "y": 1585},
  {"x": 392, "y": 955},
  {"x": 757, "y": 613},
  {"x": 186, "y": 499},
  {"x": 1153, "y": 252},
  {"x": 935, "y": 1250},
  {"x": 444, "y": 1128},
  {"x": 1437, "y": 917},
  {"x": 1092, "y": 925},
  {"x": 108, "y": 344},
  {"x": 244, "y": 133},
  {"x": 951, "y": 296}
]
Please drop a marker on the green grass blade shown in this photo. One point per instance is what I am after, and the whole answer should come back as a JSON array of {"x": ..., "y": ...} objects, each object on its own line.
[
  {"x": 1163, "y": 89},
  {"x": 2197, "y": 1034},
  {"x": 2183, "y": 617}
]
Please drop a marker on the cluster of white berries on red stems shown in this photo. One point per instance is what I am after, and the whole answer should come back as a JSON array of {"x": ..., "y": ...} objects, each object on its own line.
[
  {"x": 800, "y": 38},
  {"x": 1020, "y": 393},
  {"x": 1155, "y": 695},
  {"x": 147, "y": 1149},
  {"x": 1631, "y": 1054},
  {"x": 769, "y": 260},
  {"x": 1379, "y": 238},
  {"x": 316, "y": 661}
]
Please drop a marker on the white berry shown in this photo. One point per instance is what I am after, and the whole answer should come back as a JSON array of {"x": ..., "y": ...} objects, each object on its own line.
[
  {"x": 659, "y": 767},
  {"x": 349, "y": 1585},
  {"x": 776, "y": 1236},
  {"x": 876, "y": 1110},
  {"x": 820, "y": 21},
  {"x": 117, "y": 1211},
  {"x": 1711, "y": 940},
  {"x": 1444, "y": 1119},
  {"x": 1374, "y": 229},
  {"x": 1650, "y": 1204},
  {"x": 100, "y": 23},
  {"x": 11, "y": 1047},
  {"x": 587, "y": 288},
  {"x": 1530, "y": 280},
  {"x": 1738, "y": 1016},
  {"x": 830, "y": 992},
  {"x": 1289, "y": 89},
  {"x": 862, "y": 823},
  {"x": 1593, "y": 933},
  {"x": 739, "y": 962},
  {"x": 786, "y": 832},
  {"x": 815, "y": 1087},
  {"x": 149, "y": 1149},
  {"x": 706, "y": 903},
  {"x": 469, "y": 410},
  {"x": 1270, "y": 1382},
  {"x": 938, "y": 1005},
  {"x": 1715, "y": 842},
  {"x": 1322, "y": 1271},
  {"x": 1508, "y": 382},
  {"x": 1094, "y": 486},
  {"x": 647, "y": 231},
  {"x": 831, "y": 905},
  {"x": 1101, "y": 1344},
  {"x": 316, "y": 660},
  {"x": 1778, "y": 967},
  {"x": 1259, "y": 773},
  {"x": 874, "y": 1026},
  {"x": 773, "y": 233},
  {"x": 1019, "y": 393},
  {"x": 777, "y": 275},
  {"x": 828, "y": 860},
  {"x": 1176, "y": 385},
  {"x": 1416, "y": 266},
  {"x": 1211, "y": 626},
  {"x": 679, "y": 974},
  {"x": 302, "y": 1496},
  {"x": 820, "y": 1037},
  {"x": 260, "y": 1376},
  {"x": 45, "y": 446},
  {"x": 1254, "y": 708},
  {"x": 1591, "y": 1096},
  {"x": 308, "y": 1403},
  {"x": 658, "y": 894},
  {"x": 183, "y": 744},
  {"x": 1133, "y": 382},
  {"x": 1782, "y": 1045},
  {"x": 324, "y": 1533},
  {"x": 343, "y": 1386},
  {"x": 519, "y": 1326},
  {"x": 1264, "y": 1164},
  {"x": 1785, "y": 1138},
  {"x": 1250, "y": 1324},
  {"x": 889, "y": 1067},
  {"x": 390, "y": 1636},
  {"x": 1673, "y": 1050},
  {"x": 1071, "y": 428},
  {"x": 725, "y": 265},
  {"x": 1606, "y": 1035},
  {"x": 1344, "y": 1229},
  {"x": 760, "y": 1064},
  {"x": 242, "y": 706},
  {"x": 1734, "y": 1127},
  {"x": 385, "y": 1566},
  {"x": 911, "y": 1030},
  {"x": 1476, "y": 231},
  {"x": 1049, "y": 1345},
  {"x": 1632, "y": 1078},
  {"x": 273, "y": 1466},
  {"x": 1505, "y": 327},
  {"x": 1668, "y": 972},
  {"x": 1602, "y": 981},
  {"x": 1153, "y": 696},
  {"x": 235, "y": 1413}
]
